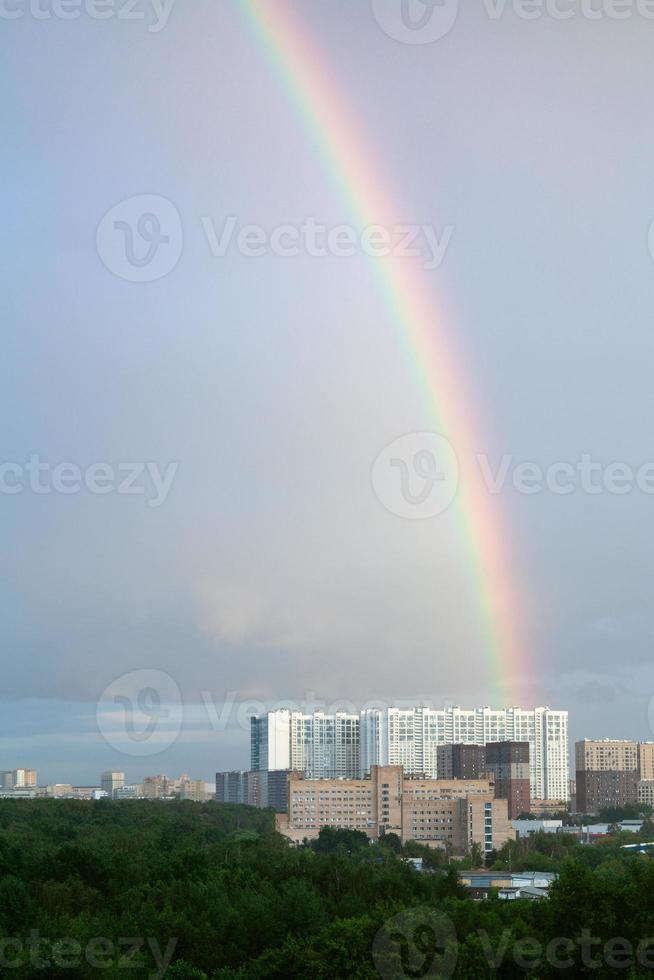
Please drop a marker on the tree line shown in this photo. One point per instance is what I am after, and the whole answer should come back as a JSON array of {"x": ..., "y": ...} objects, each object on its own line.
[{"x": 211, "y": 892}]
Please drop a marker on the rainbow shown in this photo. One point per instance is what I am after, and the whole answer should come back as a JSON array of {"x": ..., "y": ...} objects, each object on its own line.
[{"x": 421, "y": 329}]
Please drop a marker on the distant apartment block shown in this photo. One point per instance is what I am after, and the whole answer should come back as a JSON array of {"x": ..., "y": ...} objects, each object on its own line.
[
  {"x": 59, "y": 790},
  {"x": 508, "y": 762},
  {"x": 162, "y": 787},
  {"x": 601, "y": 789},
  {"x": 24, "y": 778},
  {"x": 270, "y": 741},
  {"x": 610, "y": 771},
  {"x": 410, "y": 737},
  {"x": 130, "y": 791},
  {"x": 439, "y": 813},
  {"x": 111, "y": 781},
  {"x": 461, "y": 761},
  {"x": 229, "y": 787},
  {"x": 646, "y": 760},
  {"x": 323, "y": 746},
  {"x": 18, "y": 779},
  {"x": 606, "y": 755},
  {"x": 645, "y": 792},
  {"x": 193, "y": 789},
  {"x": 253, "y": 788},
  {"x": 347, "y": 746}
]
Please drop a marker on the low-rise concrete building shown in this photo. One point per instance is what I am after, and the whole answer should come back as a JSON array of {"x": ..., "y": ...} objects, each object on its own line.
[
  {"x": 59, "y": 790},
  {"x": 130, "y": 791},
  {"x": 524, "y": 828},
  {"x": 523, "y": 884},
  {"x": 454, "y": 813}
]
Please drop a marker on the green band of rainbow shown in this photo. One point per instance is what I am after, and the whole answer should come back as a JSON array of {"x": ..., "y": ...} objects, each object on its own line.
[{"x": 421, "y": 330}]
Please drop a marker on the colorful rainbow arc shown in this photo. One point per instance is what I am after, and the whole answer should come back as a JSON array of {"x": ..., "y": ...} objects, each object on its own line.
[{"x": 338, "y": 138}]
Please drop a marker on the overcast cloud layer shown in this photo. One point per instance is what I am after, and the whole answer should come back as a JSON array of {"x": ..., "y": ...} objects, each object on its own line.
[{"x": 270, "y": 384}]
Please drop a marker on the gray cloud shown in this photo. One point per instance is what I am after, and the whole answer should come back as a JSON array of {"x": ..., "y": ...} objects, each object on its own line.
[{"x": 271, "y": 568}]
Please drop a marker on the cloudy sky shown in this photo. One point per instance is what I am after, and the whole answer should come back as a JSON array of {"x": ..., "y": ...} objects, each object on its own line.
[{"x": 153, "y": 345}]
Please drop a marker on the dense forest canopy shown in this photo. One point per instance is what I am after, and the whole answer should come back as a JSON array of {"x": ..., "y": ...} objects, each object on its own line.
[{"x": 188, "y": 890}]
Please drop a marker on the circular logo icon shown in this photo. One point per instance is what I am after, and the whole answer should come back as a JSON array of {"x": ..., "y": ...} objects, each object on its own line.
[
  {"x": 419, "y": 942},
  {"x": 141, "y": 712},
  {"x": 416, "y": 21},
  {"x": 416, "y": 476},
  {"x": 650, "y": 239},
  {"x": 141, "y": 239}
]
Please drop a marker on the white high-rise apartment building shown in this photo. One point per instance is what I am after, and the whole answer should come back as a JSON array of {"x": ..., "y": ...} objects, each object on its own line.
[
  {"x": 270, "y": 741},
  {"x": 410, "y": 737},
  {"x": 322, "y": 746}
]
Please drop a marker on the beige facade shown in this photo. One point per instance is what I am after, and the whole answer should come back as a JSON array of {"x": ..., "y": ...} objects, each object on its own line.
[
  {"x": 59, "y": 790},
  {"x": 437, "y": 812},
  {"x": 606, "y": 755},
  {"x": 158, "y": 787},
  {"x": 193, "y": 789},
  {"x": 615, "y": 755},
  {"x": 544, "y": 808},
  {"x": 23, "y": 778},
  {"x": 646, "y": 760},
  {"x": 110, "y": 781},
  {"x": 609, "y": 772}
]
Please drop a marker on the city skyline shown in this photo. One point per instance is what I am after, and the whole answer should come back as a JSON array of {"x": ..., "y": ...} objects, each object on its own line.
[
  {"x": 326, "y": 488},
  {"x": 214, "y": 734},
  {"x": 370, "y": 727}
]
